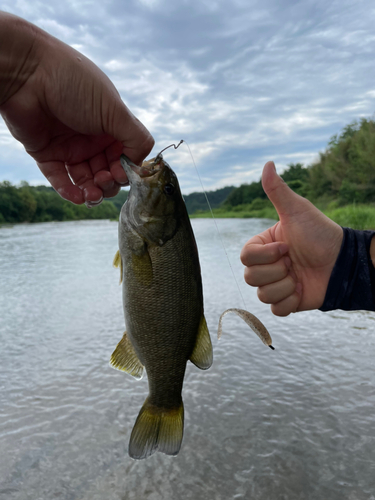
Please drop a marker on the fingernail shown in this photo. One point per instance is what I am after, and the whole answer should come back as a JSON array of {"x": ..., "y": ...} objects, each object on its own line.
[
  {"x": 99, "y": 193},
  {"x": 299, "y": 288},
  {"x": 91, "y": 204}
]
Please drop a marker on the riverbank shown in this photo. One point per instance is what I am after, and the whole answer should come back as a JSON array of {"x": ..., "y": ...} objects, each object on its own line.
[{"x": 356, "y": 216}]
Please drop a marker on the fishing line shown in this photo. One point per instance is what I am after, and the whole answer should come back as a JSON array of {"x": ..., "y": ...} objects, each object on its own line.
[
  {"x": 212, "y": 215},
  {"x": 255, "y": 324}
]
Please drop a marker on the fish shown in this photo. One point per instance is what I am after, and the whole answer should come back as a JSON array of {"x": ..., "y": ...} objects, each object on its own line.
[{"x": 162, "y": 302}]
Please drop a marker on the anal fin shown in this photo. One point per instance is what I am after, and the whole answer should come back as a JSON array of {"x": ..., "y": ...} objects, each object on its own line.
[
  {"x": 124, "y": 358},
  {"x": 202, "y": 355}
]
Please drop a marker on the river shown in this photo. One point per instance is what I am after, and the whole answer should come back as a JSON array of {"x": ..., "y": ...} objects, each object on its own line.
[{"x": 296, "y": 423}]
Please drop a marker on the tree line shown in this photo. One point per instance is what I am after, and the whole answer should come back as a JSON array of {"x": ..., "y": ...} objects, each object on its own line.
[
  {"x": 42, "y": 204},
  {"x": 26, "y": 203},
  {"x": 343, "y": 175}
]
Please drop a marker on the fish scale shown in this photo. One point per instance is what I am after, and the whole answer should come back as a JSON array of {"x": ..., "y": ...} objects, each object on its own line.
[
  {"x": 163, "y": 303},
  {"x": 168, "y": 343}
]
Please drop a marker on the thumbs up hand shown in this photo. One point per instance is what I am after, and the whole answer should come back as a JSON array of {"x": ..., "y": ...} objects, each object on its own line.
[{"x": 291, "y": 262}]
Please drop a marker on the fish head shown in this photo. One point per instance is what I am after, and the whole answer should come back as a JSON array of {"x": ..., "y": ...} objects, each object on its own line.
[{"x": 155, "y": 204}]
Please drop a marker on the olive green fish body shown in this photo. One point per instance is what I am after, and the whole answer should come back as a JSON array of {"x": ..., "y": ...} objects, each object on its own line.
[
  {"x": 163, "y": 303},
  {"x": 162, "y": 299}
]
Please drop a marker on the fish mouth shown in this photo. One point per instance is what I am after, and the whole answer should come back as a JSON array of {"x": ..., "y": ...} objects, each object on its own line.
[{"x": 147, "y": 169}]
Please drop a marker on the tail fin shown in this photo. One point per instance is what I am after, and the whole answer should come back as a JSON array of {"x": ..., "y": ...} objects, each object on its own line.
[{"x": 157, "y": 429}]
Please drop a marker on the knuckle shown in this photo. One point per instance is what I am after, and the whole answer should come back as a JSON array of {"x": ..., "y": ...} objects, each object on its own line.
[
  {"x": 263, "y": 296},
  {"x": 243, "y": 256},
  {"x": 84, "y": 179},
  {"x": 148, "y": 144},
  {"x": 251, "y": 277},
  {"x": 274, "y": 254},
  {"x": 279, "y": 310},
  {"x": 290, "y": 283}
]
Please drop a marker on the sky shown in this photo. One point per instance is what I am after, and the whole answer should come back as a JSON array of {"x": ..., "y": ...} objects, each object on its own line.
[{"x": 242, "y": 81}]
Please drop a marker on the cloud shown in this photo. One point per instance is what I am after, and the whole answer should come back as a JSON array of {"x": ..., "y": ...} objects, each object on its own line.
[{"x": 242, "y": 81}]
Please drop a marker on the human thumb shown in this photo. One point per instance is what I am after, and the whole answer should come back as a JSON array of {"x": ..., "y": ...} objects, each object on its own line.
[{"x": 284, "y": 199}]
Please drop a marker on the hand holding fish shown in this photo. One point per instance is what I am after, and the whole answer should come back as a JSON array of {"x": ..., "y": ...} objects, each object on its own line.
[
  {"x": 67, "y": 113},
  {"x": 291, "y": 262}
]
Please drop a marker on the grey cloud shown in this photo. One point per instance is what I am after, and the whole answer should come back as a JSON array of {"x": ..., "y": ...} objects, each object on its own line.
[{"x": 241, "y": 81}]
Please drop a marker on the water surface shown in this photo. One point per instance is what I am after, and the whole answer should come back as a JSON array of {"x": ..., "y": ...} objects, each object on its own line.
[{"x": 294, "y": 423}]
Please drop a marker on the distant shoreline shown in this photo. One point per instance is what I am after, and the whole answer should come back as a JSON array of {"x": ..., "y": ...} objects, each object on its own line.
[
  {"x": 356, "y": 216},
  {"x": 341, "y": 184}
]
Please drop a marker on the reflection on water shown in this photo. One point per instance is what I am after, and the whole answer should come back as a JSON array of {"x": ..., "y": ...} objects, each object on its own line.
[{"x": 294, "y": 423}]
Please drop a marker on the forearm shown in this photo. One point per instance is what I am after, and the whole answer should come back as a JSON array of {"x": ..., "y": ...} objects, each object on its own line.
[{"x": 18, "y": 57}]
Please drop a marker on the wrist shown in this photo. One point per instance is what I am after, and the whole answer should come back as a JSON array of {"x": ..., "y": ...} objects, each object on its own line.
[
  {"x": 352, "y": 282},
  {"x": 18, "y": 57},
  {"x": 372, "y": 251}
]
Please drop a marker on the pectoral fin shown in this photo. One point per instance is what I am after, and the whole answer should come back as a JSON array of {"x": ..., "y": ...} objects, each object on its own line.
[
  {"x": 125, "y": 359},
  {"x": 142, "y": 268},
  {"x": 117, "y": 262},
  {"x": 202, "y": 354}
]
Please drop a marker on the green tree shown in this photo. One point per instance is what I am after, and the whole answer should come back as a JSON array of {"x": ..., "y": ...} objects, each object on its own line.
[
  {"x": 245, "y": 194},
  {"x": 120, "y": 198},
  {"x": 28, "y": 203},
  {"x": 197, "y": 201},
  {"x": 42, "y": 204},
  {"x": 347, "y": 168},
  {"x": 296, "y": 172},
  {"x": 14, "y": 203}
]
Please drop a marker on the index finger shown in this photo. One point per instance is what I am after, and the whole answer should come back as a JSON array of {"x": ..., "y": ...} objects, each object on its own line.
[
  {"x": 255, "y": 252},
  {"x": 57, "y": 174},
  {"x": 136, "y": 140}
]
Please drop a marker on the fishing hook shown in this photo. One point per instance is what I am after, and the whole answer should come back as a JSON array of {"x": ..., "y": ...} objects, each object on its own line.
[{"x": 159, "y": 155}]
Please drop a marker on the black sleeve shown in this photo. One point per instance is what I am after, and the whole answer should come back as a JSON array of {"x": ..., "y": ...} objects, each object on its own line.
[{"x": 352, "y": 283}]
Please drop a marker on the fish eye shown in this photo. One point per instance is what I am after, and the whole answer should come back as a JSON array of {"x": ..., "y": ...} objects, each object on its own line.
[{"x": 169, "y": 189}]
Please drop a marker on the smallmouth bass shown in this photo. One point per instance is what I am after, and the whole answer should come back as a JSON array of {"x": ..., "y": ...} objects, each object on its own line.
[
  {"x": 162, "y": 300},
  {"x": 163, "y": 303}
]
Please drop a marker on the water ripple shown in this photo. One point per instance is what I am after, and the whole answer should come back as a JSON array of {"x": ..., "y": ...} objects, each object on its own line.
[{"x": 294, "y": 423}]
